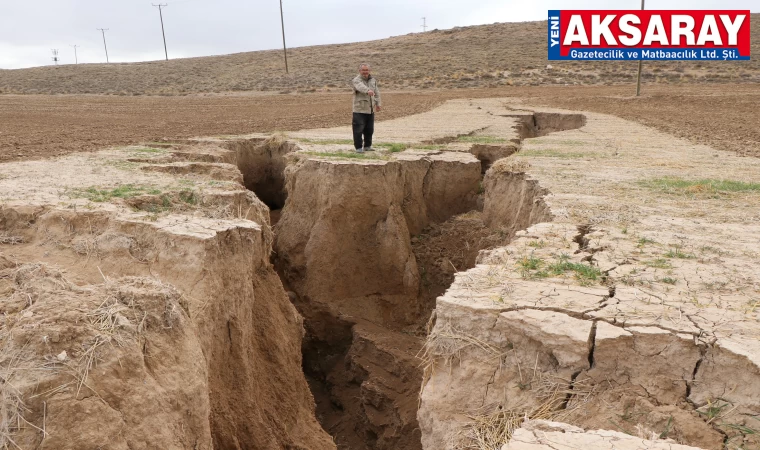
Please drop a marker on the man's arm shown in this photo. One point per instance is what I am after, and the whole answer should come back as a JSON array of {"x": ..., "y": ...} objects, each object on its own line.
[
  {"x": 360, "y": 86},
  {"x": 378, "y": 101}
]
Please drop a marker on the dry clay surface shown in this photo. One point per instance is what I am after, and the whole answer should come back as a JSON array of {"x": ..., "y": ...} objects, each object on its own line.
[
  {"x": 660, "y": 338},
  {"x": 545, "y": 435}
]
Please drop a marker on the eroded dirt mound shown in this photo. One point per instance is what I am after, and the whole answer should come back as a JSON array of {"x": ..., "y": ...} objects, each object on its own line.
[{"x": 116, "y": 364}]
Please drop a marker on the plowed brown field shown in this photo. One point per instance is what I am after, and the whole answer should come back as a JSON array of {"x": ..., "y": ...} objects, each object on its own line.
[{"x": 33, "y": 127}]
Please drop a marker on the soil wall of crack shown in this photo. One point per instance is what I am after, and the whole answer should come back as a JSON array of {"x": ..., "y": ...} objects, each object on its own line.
[
  {"x": 365, "y": 249},
  {"x": 262, "y": 163},
  {"x": 539, "y": 124},
  {"x": 124, "y": 334}
]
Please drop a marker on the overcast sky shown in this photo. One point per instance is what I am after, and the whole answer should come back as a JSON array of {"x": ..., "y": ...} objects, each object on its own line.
[{"x": 30, "y": 29}]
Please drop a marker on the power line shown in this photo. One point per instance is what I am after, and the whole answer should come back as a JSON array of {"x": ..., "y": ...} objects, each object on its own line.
[
  {"x": 55, "y": 56},
  {"x": 284, "y": 47},
  {"x": 638, "y": 79},
  {"x": 103, "y": 30},
  {"x": 424, "y": 24},
  {"x": 161, "y": 15},
  {"x": 76, "y": 60}
]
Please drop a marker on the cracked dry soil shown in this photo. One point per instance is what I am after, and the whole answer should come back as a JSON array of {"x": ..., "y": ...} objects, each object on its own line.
[{"x": 239, "y": 281}]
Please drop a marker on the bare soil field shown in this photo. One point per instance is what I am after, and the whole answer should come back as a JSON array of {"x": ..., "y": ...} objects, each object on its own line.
[
  {"x": 40, "y": 126},
  {"x": 501, "y": 54},
  {"x": 492, "y": 261}
]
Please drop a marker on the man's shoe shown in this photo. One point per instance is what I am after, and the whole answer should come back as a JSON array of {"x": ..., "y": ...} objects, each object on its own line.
[
  {"x": 369, "y": 149},
  {"x": 359, "y": 150}
]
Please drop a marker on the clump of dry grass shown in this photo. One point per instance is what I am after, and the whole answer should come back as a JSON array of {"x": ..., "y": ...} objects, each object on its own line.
[
  {"x": 101, "y": 324},
  {"x": 492, "y": 427},
  {"x": 275, "y": 141},
  {"x": 489, "y": 430},
  {"x": 447, "y": 343},
  {"x": 108, "y": 317},
  {"x": 512, "y": 165},
  {"x": 11, "y": 404},
  {"x": 11, "y": 240}
]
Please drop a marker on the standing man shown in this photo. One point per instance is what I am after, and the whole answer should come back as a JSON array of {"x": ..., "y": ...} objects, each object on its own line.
[{"x": 366, "y": 102}]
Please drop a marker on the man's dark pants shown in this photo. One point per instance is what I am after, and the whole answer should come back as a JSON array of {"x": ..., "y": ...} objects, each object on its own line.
[{"x": 364, "y": 126}]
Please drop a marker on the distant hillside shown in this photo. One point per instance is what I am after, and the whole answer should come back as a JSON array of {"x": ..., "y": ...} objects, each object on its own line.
[{"x": 477, "y": 56}]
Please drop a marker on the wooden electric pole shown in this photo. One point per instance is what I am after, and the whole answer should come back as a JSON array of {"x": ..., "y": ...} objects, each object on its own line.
[
  {"x": 284, "y": 47},
  {"x": 638, "y": 79},
  {"x": 103, "y": 30},
  {"x": 161, "y": 15},
  {"x": 76, "y": 60}
]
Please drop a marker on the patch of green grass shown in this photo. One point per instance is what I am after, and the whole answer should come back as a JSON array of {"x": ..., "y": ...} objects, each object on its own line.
[
  {"x": 530, "y": 263},
  {"x": 743, "y": 429},
  {"x": 347, "y": 155},
  {"x": 631, "y": 416},
  {"x": 712, "y": 410},
  {"x": 669, "y": 280},
  {"x": 189, "y": 197},
  {"x": 676, "y": 252},
  {"x": 557, "y": 142},
  {"x": 658, "y": 263},
  {"x": 147, "y": 150},
  {"x": 429, "y": 147},
  {"x": 532, "y": 267},
  {"x": 537, "y": 244},
  {"x": 644, "y": 241},
  {"x": 123, "y": 165},
  {"x": 664, "y": 434},
  {"x": 584, "y": 273},
  {"x": 96, "y": 194},
  {"x": 715, "y": 285},
  {"x": 393, "y": 147},
  {"x": 328, "y": 141},
  {"x": 620, "y": 428},
  {"x": 676, "y": 185},
  {"x": 710, "y": 249},
  {"x": 550, "y": 153},
  {"x": 480, "y": 139}
]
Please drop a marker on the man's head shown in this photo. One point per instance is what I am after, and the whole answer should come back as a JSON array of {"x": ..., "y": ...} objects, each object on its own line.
[{"x": 364, "y": 70}]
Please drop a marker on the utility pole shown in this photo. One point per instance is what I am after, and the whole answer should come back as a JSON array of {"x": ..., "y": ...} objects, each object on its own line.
[
  {"x": 284, "y": 47},
  {"x": 55, "y": 56},
  {"x": 638, "y": 79},
  {"x": 424, "y": 24},
  {"x": 161, "y": 15},
  {"x": 103, "y": 30},
  {"x": 76, "y": 60}
]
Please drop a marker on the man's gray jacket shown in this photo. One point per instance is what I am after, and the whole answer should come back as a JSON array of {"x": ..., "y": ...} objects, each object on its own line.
[{"x": 363, "y": 103}]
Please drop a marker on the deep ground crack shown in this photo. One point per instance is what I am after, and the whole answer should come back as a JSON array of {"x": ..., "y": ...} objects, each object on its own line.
[{"x": 591, "y": 345}]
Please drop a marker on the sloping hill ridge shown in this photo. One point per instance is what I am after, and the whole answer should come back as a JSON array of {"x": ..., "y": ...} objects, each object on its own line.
[{"x": 500, "y": 54}]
